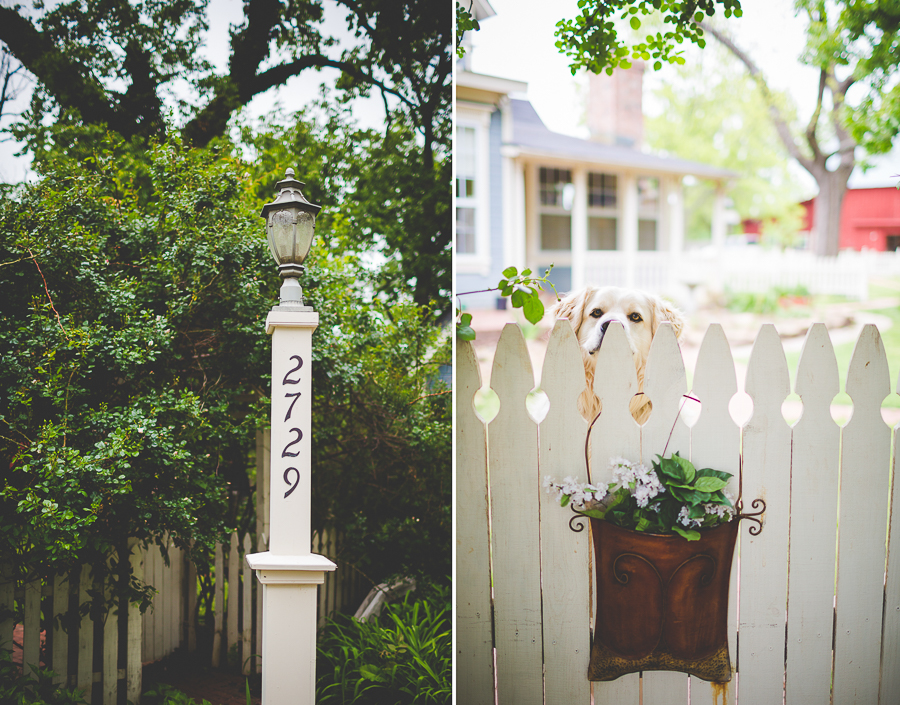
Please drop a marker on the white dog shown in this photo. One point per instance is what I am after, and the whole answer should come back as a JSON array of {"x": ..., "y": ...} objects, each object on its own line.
[{"x": 592, "y": 309}]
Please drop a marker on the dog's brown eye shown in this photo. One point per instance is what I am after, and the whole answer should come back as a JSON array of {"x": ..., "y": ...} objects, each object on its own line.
[
  {"x": 636, "y": 317},
  {"x": 596, "y": 313}
]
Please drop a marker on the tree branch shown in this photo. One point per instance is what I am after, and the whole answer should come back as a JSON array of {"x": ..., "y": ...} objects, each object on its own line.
[
  {"x": 66, "y": 79},
  {"x": 778, "y": 119}
]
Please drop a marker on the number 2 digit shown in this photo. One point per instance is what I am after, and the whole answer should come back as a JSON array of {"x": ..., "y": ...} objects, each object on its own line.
[
  {"x": 284, "y": 453},
  {"x": 293, "y": 370}
]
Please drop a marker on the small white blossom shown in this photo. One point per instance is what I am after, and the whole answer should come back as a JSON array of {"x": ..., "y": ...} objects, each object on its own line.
[{"x": 684, "y": 519}]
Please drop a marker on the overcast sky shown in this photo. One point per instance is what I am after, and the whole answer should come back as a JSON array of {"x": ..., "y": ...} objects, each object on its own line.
[{"x": 518, "y": 43}]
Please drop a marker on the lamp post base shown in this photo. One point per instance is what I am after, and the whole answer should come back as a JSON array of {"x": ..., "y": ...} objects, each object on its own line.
[{"x": 289, "y": 624}]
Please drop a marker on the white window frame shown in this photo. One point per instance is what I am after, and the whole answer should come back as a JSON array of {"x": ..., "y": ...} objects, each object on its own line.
[
  {"x": 605, "y": 211},
  {"x": 554, "y": 210},
  {"x": 656, "y": 216},
  {"x": 478, "y": 262}
]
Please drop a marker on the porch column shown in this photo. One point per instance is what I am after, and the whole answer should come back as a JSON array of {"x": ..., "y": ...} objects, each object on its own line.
[
  {"x": 719, "y": 226},
  {"x": 579, "y": 228},
  {"x": 675, "y": 200},
  {"x": 514, "y": 250},
  {"x": 629, "y": 229}
]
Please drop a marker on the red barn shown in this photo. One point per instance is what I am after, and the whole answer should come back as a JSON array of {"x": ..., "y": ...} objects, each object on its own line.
[{"x": 870, "y": 218}]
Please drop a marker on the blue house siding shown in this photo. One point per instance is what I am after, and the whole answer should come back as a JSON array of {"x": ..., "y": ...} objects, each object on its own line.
[{"x": 476, "y": 282}]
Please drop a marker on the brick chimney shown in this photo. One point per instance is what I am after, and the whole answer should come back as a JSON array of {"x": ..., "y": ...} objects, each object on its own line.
[{"x": 615, "y": 106}]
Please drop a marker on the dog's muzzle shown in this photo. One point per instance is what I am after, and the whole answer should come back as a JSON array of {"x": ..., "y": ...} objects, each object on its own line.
[{"x": 603, "y": 327}]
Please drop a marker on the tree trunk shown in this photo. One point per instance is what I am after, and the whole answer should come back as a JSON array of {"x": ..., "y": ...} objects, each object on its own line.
[{"x": 827, "y": 210}]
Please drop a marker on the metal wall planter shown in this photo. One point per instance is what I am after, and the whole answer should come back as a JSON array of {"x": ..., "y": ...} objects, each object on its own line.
[{"x": 662, "y": 602}]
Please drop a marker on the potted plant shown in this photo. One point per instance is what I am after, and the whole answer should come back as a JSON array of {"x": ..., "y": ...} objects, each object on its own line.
[{"x": 664, "y": 540}]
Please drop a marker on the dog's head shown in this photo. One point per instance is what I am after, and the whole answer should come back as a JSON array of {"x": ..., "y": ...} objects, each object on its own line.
[{"x": 592, "y": 309}]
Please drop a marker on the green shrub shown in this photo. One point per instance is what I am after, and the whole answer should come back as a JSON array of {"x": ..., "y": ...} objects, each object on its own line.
[
  {"x": 404, "y": 657},
  {"x": 24, "y": 689}
]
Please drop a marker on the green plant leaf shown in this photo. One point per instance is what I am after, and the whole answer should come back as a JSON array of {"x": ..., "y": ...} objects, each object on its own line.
[
  {"x": 465, "y": 332},
  {"x": 510, "y": 272},
  {"x": 533, "y": 309},
  {"x": 709, "y": 484},
  {"x": 689, "y": 534},
  {"x": 518, "y": 298}
]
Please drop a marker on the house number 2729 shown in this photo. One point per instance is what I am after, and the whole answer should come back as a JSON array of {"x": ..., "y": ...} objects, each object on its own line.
[{"x": 292, "y": 474}]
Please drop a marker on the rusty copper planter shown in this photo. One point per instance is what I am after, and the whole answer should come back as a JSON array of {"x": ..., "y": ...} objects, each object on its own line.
[{"x": 662, "y": 602}]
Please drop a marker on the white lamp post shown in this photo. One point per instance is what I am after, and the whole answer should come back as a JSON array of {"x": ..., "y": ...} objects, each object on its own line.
[{"x": 288, "y": 571}]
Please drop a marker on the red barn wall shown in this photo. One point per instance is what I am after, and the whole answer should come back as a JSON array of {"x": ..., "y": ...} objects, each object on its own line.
[{"x": 870, "y": 218}]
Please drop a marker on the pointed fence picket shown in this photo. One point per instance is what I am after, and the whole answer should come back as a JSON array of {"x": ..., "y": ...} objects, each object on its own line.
[
  {"x": 474, "y": 623},
  {"x": 810, "y": 574}
]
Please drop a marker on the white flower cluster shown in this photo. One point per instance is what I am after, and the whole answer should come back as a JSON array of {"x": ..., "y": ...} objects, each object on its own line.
[
  {"x": 724, "y": 513},
  {"x": 684, "y": 519},
  {"x": 578, "y": 492},
  {"x": 641, "y": 480}
]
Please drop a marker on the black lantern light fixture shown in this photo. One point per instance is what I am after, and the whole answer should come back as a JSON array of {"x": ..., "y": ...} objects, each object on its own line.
[{"x": 290, "y": 225}]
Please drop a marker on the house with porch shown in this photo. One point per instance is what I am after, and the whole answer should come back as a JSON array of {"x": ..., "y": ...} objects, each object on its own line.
[{"x": 600, "y": 210}]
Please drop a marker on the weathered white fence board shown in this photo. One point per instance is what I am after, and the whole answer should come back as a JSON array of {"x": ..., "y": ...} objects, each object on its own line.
[
  {"x": 665, "y": 384},
  {"x": 890, "y": 667},
  {"x": 814, "y": 493},
  {"x": 715, "y": 443},
  {"x": 474, "y": 652},
  {"x": 615, "y": 434},
  {"x": 133, "y": 654},
  {"x": 85, "y": 679},
  {"x": 515, "y": 550},
  {"x": 766, "y": 475},
  {"x": 865, "y": 468},
  {"x": 789, "y": 584},
  {"x": 565, "y": 555}
]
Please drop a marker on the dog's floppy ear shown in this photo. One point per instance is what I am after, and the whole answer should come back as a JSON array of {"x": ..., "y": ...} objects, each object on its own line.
[
  {"x": 572, "y": 307},
  {"x": 664, "y": 311}
]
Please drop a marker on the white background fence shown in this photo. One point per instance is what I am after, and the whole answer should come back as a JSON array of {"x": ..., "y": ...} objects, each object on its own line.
[
  {"x": 741, "y": 269},
  {"x": 102, "y": 653},
  {"x": 524, "y": 587}
]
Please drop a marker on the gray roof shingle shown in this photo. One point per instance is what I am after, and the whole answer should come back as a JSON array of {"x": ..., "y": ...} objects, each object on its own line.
[{"x": 532, "y": 136}]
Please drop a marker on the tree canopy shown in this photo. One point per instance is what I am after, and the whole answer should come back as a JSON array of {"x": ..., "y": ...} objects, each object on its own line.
[
  {"x": 135, "y": 68},
  {"x": 136, "y": 282},
  {"x": 856, "y": 51}
]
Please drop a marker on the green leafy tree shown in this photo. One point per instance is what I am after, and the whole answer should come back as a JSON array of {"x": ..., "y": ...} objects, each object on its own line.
[
  {"x": 855, "y": 49},
  {"x": 124, "y": 66},
  {"x": 710, "y": 111},
  {"x": 592, "y": 40},
  {"x": 138, "y": 370},
  {"x": 132, "y": 348}
]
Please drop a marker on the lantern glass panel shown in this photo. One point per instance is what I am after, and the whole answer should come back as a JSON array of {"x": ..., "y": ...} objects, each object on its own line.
[{"x": 290, "y": 235}]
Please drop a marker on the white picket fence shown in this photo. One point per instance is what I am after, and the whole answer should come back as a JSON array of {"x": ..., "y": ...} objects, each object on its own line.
[
  {"x": 740, "y": 269},
  {"x": 827, "y": 630},
  {"x": 86, "y": 653}
]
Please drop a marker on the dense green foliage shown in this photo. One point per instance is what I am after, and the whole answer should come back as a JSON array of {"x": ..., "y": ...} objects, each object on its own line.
[
  {"x": 136, "y": 286},
  {"x": 137, "y": 68},
  {"x": 592, "y": 41},
  {"x": 136, "y": 279},
  {"x": 402, "y": 657},
  {"x": 130, "y": 329}
]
